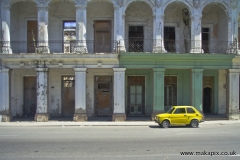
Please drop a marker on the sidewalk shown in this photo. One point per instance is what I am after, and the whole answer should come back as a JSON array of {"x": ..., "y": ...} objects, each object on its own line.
[{"x": 102, "y": 123}]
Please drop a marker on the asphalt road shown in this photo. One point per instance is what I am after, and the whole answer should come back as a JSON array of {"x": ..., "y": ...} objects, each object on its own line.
[{"x": 120, "y": 142}]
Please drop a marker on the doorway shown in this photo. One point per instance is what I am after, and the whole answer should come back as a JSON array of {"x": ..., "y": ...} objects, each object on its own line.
[
  {"x": 136, "y": 95},
  {"x": 208, "y": 90},
  {"x": 103, "y": 96},
  {"x": 169, "y": 39},
  {"x": 136, "y": 37},
  {"x": 205, "y": 40},
  {"x": 30, "y": 96},
  {"x": 68, "y": 96},
  {"x": 32, "y": 36},
  {"x": 102, "y": 36},
  {"x": 170, "y": 92}
]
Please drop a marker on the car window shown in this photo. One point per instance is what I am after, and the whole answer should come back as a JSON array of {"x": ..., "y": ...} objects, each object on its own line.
[
  {"x": 180, "y": 111},
  {"x": 190, "y": 110},
  {"x": 170, "y": 110}
]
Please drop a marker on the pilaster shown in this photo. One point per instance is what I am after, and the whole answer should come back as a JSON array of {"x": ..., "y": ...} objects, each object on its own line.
[
  {"x": 197, "y": 89},
  {"x": 233, "y": 94},
  {"x": 119, "y": 113},
  {"x": 5, "y": 11},
  {"x": 42, "y": 114},
  {"x": 81, "y": 23},
  {"x": 42, "y": 47},
  {"x": 4, "y": 95},
  {"x": 158, "y": 91},
  {"x": 80, "y": 113}
]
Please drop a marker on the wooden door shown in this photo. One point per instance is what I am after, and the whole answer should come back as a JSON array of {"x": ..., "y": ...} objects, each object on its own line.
[
  {"x": 102, "y": 36},
  {"x": 30, "y": 96},
  {"x": 32, "y": 36},
  {"x": 68, "y": 92},
  {"x": 103, "y": 96}
]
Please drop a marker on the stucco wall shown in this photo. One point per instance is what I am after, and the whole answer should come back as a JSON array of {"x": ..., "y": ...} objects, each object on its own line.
[{"x": 222, "y": 92}]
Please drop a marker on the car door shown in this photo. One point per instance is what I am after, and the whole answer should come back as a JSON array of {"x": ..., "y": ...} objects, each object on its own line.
[
  {"x": 190, "y": 114},
  {"x": 179, "y": 116}
]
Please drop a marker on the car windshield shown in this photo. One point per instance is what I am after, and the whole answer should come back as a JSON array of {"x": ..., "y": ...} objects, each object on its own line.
[{"x": 170, "y": 110}]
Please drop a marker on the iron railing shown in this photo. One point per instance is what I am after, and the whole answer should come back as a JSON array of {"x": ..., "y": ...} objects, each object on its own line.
[{"x": 131, "y": 45}]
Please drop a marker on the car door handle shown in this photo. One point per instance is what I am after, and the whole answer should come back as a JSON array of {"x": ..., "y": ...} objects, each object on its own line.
[{"x": 185, "y": 115}]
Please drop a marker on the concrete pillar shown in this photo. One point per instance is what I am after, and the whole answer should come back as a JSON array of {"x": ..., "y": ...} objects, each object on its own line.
[
  {"x": 158, "y": 91},
  {"x": 196, "y": 29},
  {"x": 42, "y": 114},
  {"x": 4, "y": 96},
  {"x": 81, "y": 23},
  {"x": 119, "y": 113},
  {"x": 42, "y": 47},
  {"x": 233, "y": 94},
  {"x": 80, "y": 95},
  {"x": 158, "y": 30},
  {"x": 197, "y": 88},
  {"x": 5, "y": 11},
  {"x": 119, "y": 26}
]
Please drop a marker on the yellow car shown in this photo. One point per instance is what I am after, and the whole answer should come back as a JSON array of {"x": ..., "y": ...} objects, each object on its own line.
[{"x": 180, "y": 115}]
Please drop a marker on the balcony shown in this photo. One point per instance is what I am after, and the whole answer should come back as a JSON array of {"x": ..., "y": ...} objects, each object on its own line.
[{"x": 131, "y": 45}]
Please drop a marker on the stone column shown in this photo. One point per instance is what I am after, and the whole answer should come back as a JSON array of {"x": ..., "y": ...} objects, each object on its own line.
[
  {"x": 158, "y": 91},
  {"x": 6, "y": 46},
  {"x": 4, "y": 96},
  {"x": 158, "y": 31},
  {"x": 196, "y": 32},
  {"x": 80, "y": 95},
  {"x": 119, "y": 26},
  {"x": 42, "y": 114},
  {"x": 81, "y": 23},
  {"x": 42, "y": 47},
  {"x": 119, "y": 113},
  {"x": 233, "y": 94},
  {"x": 197, "y": 88}
]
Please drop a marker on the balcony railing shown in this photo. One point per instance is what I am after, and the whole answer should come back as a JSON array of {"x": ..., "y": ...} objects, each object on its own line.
[
  {"x": 63, "y": 47},
  {"x": 131, "y": 45}
]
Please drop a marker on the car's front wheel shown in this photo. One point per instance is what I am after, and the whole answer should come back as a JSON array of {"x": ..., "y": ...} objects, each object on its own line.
[
  {"x": 165, "y": 124},
  {"x": 194, "y": 123}
]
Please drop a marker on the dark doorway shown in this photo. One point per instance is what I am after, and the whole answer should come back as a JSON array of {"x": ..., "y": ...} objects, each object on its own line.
[
  {"x": 136, "y": 43},
  {"x": 169, "y": 39},
  {"x": 136, "y": 95},
  {"x": 207, "y": 100},
  {"x": 102, "y": 36},
  {"x": 103, "y": 96},
  {"x": 30, "y": 96},
  {"x": 205, "y": 40},
  {"x": 68, "y": 93},
  {"x": 32, "y": 36}
]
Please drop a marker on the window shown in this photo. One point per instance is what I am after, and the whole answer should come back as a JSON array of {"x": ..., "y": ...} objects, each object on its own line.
[
  {"x": 190, "y": 110},
  {"x": 180, "y": 111},
  {"x": 68, "y": 81},
  {"x": 69, "y": 36}
]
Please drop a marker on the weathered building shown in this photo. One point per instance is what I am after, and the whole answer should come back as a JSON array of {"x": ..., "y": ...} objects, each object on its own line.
[{"x": 118, "y": 58}]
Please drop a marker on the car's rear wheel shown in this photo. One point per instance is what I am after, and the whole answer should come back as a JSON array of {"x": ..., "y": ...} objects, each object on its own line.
[
  {"x": 165, "y": 124},
  {"x": 194, "y": 123}
]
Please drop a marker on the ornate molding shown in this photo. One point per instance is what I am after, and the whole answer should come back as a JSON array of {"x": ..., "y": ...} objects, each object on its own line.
[
  {"x": 80, "y": 2},
  {"x": 42, "y": 3},
  {"x": 158, "y": 3},
  {"x": 234, "y": 4},
  {"x": 196, "y": 3}
]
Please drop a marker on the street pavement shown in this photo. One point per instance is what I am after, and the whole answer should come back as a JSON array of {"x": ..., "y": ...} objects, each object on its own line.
[{"x": 100, "y": 123}]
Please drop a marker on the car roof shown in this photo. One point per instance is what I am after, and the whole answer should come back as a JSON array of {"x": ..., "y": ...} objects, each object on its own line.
[{"x": 182, "y": 106}]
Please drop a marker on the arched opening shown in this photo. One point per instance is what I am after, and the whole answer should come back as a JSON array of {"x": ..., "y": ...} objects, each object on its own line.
[
  {"x": 214, "y": 29},
  {"x": 138, "y": 27},
  {"x": 177, "y": 28}
]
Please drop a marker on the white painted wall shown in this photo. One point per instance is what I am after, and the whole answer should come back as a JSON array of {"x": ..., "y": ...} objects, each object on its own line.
[{"x": 222, "y": 95}]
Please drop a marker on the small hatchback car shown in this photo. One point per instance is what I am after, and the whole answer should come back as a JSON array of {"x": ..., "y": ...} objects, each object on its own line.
[{"x": 180, "y": 115}]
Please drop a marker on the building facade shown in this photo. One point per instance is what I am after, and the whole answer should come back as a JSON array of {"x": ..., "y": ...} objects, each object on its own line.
[{"x": 118, "y": 58}]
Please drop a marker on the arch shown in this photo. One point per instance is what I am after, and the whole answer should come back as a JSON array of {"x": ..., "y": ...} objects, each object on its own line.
[
  {"x": 126, "y": 5},
  {"x": 187, "y": 3},
  {"x": 223, "y": 5},
  {"x": 108, "y": 1}
]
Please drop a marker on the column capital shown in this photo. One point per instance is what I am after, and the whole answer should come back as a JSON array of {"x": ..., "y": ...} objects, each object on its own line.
[
  {"x": 80, "y": 2},
  {"x": 41, "y": 69},
  {"x": 119, "y": 69},
  {"x": 80, "y": 69},
  {"x": 197, "y": 70},
  {"x": 159, "y": 69},
  {"x": 42, "y": 3},
  {"x": 234, "y": 71},
  {"x": 4, "y": 70},
  {"x": 6, "y": 4}
]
